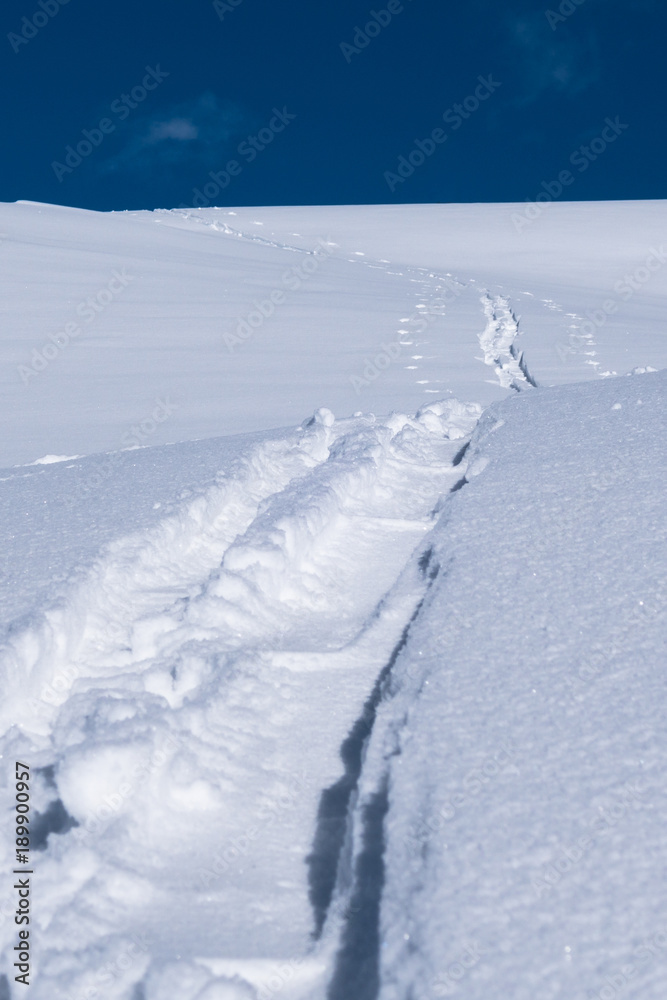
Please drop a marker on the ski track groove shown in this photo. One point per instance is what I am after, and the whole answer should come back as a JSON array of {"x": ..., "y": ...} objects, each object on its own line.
[
  {"x": 497, "y": 340},
  {"x": 280, "y": 560},
  {"x": 351, "y": 918},
  {"x": 428, "y": 298}
]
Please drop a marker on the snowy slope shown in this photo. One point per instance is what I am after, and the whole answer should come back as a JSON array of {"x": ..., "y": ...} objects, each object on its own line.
[
  {"x": 374, "y": 308},
  {"x": 521, "y": 743},
  {"x": 254, "y": 673}
]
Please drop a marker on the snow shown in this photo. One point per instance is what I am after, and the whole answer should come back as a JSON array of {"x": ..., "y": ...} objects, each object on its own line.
[
  {"x": 335, "y": 706},
  {"x": 172, "y": 336},
  {"x": 522, "y": 736}
]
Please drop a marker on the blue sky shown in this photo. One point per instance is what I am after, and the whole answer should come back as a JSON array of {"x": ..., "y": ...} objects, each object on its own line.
[{"x": 259, "y": 102}]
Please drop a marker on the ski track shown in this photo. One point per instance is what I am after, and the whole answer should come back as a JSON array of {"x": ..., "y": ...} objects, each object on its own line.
[
  {"x": 428, "y": 300},
  {"x": 497, "y": 340},
  {"x": 498, "y": 343},
  {"x": 204, "y": 643}
]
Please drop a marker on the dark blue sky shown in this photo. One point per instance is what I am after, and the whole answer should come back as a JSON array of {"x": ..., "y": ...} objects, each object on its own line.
[{"x": 172, "y": 92}]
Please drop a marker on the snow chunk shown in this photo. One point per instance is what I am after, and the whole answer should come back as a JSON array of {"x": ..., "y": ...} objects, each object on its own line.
[
  {"x": 52, "y": 459},
  {"x": 322, "y": 416},
  {"x": 94, "y": 778},
  {"x": 450, "y": 417}
]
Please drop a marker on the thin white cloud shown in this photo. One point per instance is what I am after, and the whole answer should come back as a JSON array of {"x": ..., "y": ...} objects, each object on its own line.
[
  {"x": 182, "y": 129},
  {"x": 198, "y": 131}
]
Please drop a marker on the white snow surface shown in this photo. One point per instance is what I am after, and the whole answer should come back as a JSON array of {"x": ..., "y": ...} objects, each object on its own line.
[
  {"x": 378, "y": 309},
  {"x": 365, "y": 705},
  {"x": 522, "y": 737}
]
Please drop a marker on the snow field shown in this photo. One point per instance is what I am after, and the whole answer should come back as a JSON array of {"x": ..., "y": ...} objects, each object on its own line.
[
  {"x": 390, "y": 295},
  {"x": 520, "y": 743}
]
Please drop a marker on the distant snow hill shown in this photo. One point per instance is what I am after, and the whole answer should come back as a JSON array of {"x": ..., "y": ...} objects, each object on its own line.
[
  {"x": 142, "y": 328},
  {"x": 333, "y": 602}
]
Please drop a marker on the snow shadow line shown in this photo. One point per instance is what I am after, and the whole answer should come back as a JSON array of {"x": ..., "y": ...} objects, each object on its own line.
[
  {"x": 356, "y": 972},
  {"x": 333, "y": 810}
]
